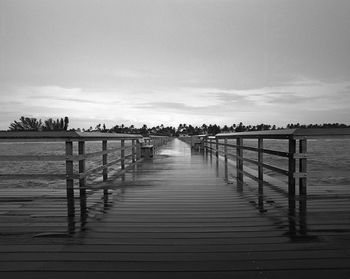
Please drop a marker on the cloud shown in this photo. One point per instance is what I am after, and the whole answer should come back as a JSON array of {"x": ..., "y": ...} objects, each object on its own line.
[
  {"x": 279, "y": 98},
  {"x": 178, "y": 107},
  {"x": 76, "y": 100},
  {"x": 302, "y": 101}
]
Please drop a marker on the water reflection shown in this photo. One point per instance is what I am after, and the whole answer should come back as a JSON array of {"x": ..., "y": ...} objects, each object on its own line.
[
  {"x": 101, "y": 201},
  {"x": 303, "y": 216},
  {"x": 294, "y": 207}
]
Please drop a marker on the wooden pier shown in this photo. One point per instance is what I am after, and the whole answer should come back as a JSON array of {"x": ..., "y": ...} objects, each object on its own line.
[{"x": 173, "y": 216}]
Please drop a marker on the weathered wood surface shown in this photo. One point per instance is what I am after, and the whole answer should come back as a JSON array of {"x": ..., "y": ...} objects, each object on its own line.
[{"x": 173, "y": 217}]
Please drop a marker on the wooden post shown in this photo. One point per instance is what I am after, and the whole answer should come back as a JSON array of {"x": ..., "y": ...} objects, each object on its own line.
[
  {"x": 239, "y": 162},
  {"x": 211, "y": 149},
  {"x": 261, "y": 174},
  {"x": 138, "y": 150},
  {"x": 133, "y": 151},
  {"x": 291, "y": 185},
  {"x": 122, "y": 154},
  {"x": 104, "y": 160},
  {"x": 154, "y": 142},
  {"x": 303, "y": 187},
  {"x": 291, "y": 168},
  {"x": 82, "y": 180},
  {"x": 217, "y": 149},
  {"x": 226, "y": 167},
  {"x": 303, "y": 167},
  {"x": 69, "y": 179}
]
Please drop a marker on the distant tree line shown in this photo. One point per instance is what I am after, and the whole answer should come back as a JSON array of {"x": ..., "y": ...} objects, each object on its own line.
[
  {"x": 212, "y": 129},
  {"x": 33, "y": 124},
  {"x": 160, "y": 130}
]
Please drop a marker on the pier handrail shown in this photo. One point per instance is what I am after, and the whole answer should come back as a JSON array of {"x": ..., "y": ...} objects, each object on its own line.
[
  {"x": 296, "y": 155},
  {"x": 129, "y": 154},
  {"x": 64, "y": 135},
  {"x": 158, "y": 141},
  {"x": 286, "y": 133}
]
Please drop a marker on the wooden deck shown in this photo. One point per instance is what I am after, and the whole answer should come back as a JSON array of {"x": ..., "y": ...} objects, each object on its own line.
[{"x": 171, "y": 217}]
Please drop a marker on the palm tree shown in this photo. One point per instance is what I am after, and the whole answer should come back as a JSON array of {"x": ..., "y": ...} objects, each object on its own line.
[
  {"x": 56, "y": 125},
  {"x": 66, "y": 122},
  {"x": 26, "y": 124}
]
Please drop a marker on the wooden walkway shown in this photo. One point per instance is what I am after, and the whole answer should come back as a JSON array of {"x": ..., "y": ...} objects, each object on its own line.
[{"x": 172, "y": 217}]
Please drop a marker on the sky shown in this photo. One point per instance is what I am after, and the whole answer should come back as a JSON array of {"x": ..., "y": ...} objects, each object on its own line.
[{"x": 175, "y": 61}]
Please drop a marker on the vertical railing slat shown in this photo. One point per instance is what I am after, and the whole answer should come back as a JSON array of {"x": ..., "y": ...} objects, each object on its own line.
[
  {"x": 69, "y": 179},
  {"x": 133, "y": 150},
  {"x": 226, "y": 166},
  {"x": 261, "y": 174},
  {"x": 302, "y": 167},
  {"x": 138, "y": 150},
  {"x": 303, "y": 187},
  {"x": 104, "y": 160},
  {"x": 291, "y": 167},
  {"x": 239, "y": 162},
  {"x": 82, "y": 180},
  {"x": 211, "y": 148},
  {"x": 122, "y": 154},
  {"x": 291, "y": 185}
]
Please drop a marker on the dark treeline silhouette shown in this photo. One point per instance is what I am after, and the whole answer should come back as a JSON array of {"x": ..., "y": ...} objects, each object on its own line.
[
  {"x": 33, "y": 124},
  {"x": 212, "y": 129},
  {"x": 144, "y": 130}
]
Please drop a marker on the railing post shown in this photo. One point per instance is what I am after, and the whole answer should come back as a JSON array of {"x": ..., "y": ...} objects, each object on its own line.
[
  {"x": 226, "y": 167},
  {"x": 291, "y": 185},
  {"x": 138, "y": 150},
  {"x": 291, "y": 168},
  {"x": 133, "y": 150},
  {"x": 154, "y": 142},
  {"x": 217, "y": 149},
  {"x": 239, "y": 162},
  {"x": 303, "y": 186},
  {"x": 82, "y": 178},
  {"x": 122, "y": 154},
  {"x": 211, "y": 149},
  {"x": 303, "y": 168},
  {"x": 69, "y": 178},
  {"x": 261, "y": 174},
  {"x": 104, "y": 160}
]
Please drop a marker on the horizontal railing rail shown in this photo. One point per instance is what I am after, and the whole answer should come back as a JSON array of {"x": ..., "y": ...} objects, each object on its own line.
[
  {"x": 234, "y": 145},
  {"x": 158, "y": 141},
  {"x": 127, "y": 153}
]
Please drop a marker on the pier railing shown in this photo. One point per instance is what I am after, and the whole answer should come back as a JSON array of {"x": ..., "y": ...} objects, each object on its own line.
[
  {"x": 158, "y": 140},
  {"x": 232, "y": 145},
  {"x": 247, "y": 149},
  {"x": 125, "y": 152}
]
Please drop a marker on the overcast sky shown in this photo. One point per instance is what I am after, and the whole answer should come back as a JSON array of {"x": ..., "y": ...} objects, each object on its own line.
[{"x": 175, "y": 61}]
